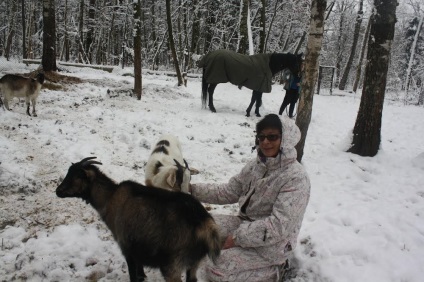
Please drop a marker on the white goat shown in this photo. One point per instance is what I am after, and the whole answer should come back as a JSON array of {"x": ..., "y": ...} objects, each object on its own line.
[
  {"x": 18, "y": 86},
  {"x": 164, "y": 168}
]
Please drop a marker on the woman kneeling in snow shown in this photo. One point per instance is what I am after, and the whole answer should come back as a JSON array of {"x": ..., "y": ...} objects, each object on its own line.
[{"x": 272, "y": 191}]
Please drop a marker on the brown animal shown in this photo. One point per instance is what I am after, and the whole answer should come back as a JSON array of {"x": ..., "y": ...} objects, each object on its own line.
[
  {"x": 154, "y": 227},
  {"x": 18, "y": 86}
]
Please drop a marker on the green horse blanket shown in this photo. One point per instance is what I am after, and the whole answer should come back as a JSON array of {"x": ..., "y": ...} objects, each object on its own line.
[{"x": 223, "y": 66}]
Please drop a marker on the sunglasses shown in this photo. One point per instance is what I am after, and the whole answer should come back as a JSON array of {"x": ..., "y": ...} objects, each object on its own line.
[{"x": 271, "y": 137}]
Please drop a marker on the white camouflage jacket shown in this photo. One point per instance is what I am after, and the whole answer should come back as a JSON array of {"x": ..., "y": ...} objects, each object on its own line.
[{"x": 272, "y": 195}]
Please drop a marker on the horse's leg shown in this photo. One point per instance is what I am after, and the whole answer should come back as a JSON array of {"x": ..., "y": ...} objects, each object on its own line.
[
  {"x": 204, "y": 90},
  {"x": 211, "y": 89},
  {"x": 258, "y": 102},
  {"x": 252, "y": 101}
]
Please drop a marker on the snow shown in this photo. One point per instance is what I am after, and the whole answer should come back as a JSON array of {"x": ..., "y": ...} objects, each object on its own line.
[{"x": 364, "y": 221}]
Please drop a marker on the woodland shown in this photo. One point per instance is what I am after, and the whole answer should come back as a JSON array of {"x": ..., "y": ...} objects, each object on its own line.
[{"x": 335, "y": 36}]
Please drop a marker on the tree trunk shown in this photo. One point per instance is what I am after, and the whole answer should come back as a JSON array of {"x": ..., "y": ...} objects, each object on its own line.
[
  {"x": 81, "y": 33},
  {"x": 210, "y": 24},
  {"x": 309, "y": 77},
  {"x": 243, "y": 43},
  {"x": 48, "y": 60},
  {"x": 361, "y": 56},
  {"x": 195, "y": 30},
  {"x": 24, "y": 53},
  {"x": 30, "y": 32},
  {"x": 66, "y": 37},
  {"x": 412, "y": 57},
  {"x": 172, "y": 44},
  {"x": 346, "y": 71},
  {"x": 262, "y": 31},
  {"x": 11, "y": 31},
  {"x": 367, "y": 130},
  {"x": 90, "y": 30},
  {"x": 137, "y": 49},
  {"x": 340, "y": 50},
  {"x": 276, "y": 8}
]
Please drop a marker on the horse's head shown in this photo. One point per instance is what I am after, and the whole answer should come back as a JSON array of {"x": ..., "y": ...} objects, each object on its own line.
[{"x": 279, "y": 62}]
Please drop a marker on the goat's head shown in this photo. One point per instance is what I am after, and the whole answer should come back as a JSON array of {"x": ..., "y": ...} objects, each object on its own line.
[
  {"x": 76, "y": 182},
  {"x": 183, "y": 175},
  {"x": 40, "y": 77}
]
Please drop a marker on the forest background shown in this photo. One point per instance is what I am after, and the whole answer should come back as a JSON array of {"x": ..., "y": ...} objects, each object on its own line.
[{"x": 102, "y": 32}]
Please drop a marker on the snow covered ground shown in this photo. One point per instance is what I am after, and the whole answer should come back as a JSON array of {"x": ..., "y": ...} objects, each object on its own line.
[{"x": 364, "y": 222}]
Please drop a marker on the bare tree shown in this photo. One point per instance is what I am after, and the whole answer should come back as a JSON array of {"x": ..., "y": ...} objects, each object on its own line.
[
  {"x": 262, "y": 31},
  {"x": 137, "y": 49},
  {"x": 90, "y": 31},
  {"x": 24, "y": 53},
  {"x": 172, "y": 44},
  {"x": 348, "y": 66},
  {"x": 11, "y": 31},
  {"x": 367, "y": 131},
  {"x": 49, "y": 36},
  {"x": 361, "y": 56},
  {"x": 243, "y": 43},
  {"x": 313, "y": 50},
  {"x": 412, "y": 57}
]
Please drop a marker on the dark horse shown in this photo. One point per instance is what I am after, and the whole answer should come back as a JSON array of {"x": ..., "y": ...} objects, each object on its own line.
[{"x": 254, "y": 72}]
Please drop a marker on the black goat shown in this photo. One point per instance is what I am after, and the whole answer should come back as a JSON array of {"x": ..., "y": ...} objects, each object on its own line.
[{"x": 154, "y": 227}]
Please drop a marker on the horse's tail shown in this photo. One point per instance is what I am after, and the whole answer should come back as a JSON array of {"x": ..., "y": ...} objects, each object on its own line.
[{"x": 204, "y": 89}]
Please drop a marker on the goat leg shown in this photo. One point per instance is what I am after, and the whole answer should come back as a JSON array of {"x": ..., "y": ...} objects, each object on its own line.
[
  {"x": 27, "y": 101},
  {"x": 140, "y": 272},
  {"x": 133, "y": 270},
  {"x": 33, "y": 101},
  {"x": 191, "y": 273}
]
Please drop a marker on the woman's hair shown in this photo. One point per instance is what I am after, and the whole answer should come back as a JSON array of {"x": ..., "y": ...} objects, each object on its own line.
[{"x": 269, "y": 121}]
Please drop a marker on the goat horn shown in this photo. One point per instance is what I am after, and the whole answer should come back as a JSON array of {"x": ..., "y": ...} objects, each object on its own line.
[
  {"x": 186, "y": 164},
  {"x": 178, "y": 164},
  {"x": 88, "y": 161}
]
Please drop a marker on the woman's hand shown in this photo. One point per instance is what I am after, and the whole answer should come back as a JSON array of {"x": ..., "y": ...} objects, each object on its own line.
[{"x": 229, "y": 242}]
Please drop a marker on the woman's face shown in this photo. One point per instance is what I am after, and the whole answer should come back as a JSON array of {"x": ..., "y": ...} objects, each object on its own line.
[{"x": 269, "y": 142}]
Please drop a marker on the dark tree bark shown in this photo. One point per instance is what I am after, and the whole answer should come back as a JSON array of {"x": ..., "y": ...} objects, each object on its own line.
[
  {"x": 195, "y": 30},
  {"x": 313, "y": 50},
  {"x": 81, "y": 56},
  {"x": 90, "y": 31},
  {"x": 361, "y": 57},
  {"x": 137, "y": 50},
  {"x": 367, "y": 130},
  {"x": 340, "y": 37},
  {"x": 48, "y": 60},
  {"x": 243, "y": 45},
  {"x": 262, "y": 31},
  {"x": 11, "y": 31},
  {"x": 210, "y": 24},
  {"x": 172, "y": 44},
  {"x": 348, "y": 66},
  {"x": 24, "y": 53}
]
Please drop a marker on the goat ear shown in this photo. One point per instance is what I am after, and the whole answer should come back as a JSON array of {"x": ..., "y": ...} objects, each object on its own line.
[
  {"x": 194, "y": 171},
  {"x": 172, "y": 178}
]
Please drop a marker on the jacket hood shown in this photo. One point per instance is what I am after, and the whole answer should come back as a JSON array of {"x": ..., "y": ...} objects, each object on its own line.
[{"x": 291, "y": 136}]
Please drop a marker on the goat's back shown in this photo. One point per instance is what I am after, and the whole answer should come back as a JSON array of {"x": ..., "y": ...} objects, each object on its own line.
[
  {"x": 157, "y": 225},
  {"x": 18, "y": 86}
]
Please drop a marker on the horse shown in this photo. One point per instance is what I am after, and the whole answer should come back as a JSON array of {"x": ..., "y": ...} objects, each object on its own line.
[{"x": 254, "y": 72}]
